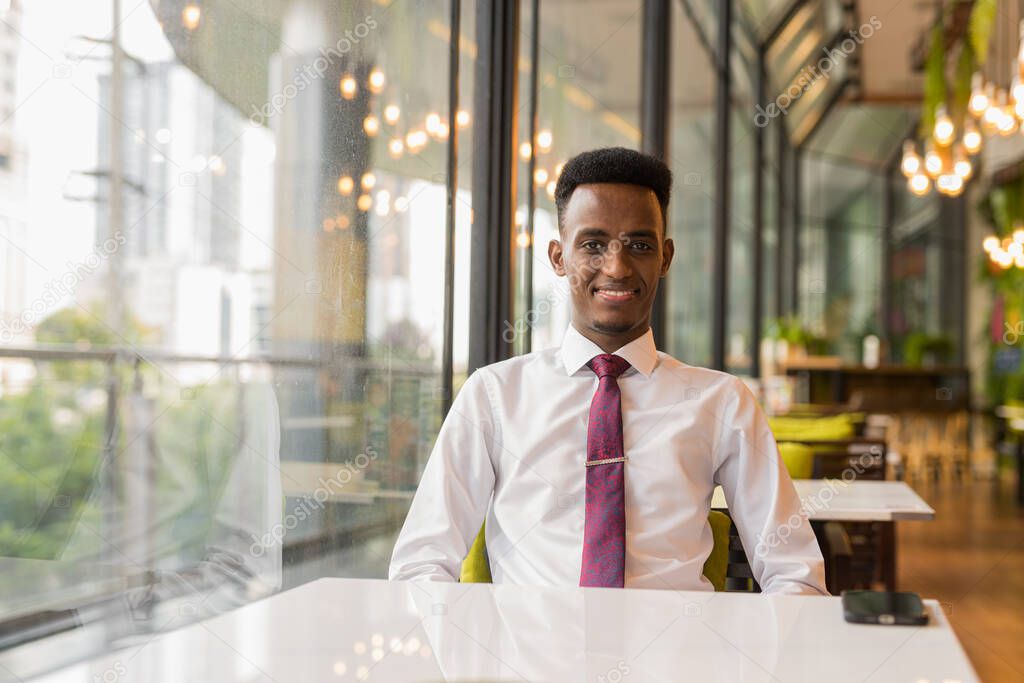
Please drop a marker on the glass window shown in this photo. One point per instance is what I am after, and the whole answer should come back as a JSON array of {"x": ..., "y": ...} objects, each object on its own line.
[
  {"x": 691, "y": 216},
  {"x": 221, "y": 290},
  {"x": 588, "y": 97}
]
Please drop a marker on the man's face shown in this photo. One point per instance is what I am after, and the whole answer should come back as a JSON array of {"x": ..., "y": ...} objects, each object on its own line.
[{"x": 613, "y": 251}]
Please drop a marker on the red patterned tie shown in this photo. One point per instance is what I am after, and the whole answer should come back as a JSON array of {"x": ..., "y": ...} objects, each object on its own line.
[{"x": 604, "y": 532}]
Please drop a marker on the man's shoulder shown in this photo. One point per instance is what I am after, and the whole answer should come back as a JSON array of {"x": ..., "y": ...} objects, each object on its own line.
[
  {"x": 696, "y": 373},
  {"x": 710, "y": 384},
  {"x": 510, "y": 367}
]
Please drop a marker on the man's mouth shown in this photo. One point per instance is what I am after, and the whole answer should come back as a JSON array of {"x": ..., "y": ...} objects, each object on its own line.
[{"x": 616, "y": 295}]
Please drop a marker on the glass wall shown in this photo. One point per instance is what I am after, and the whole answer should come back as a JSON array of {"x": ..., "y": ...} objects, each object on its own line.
[
  {"x": 222, "y": 292},
  {"x": 741, "y": 286},
  {"x": 691, "y": 215},
  {"x": 588, "y": 97},
  {"x": 841, "y": 254}
]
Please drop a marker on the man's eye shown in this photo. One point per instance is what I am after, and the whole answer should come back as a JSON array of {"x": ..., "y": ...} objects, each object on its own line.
[
  {"x": 591, "y": 245},
  {"x": 641, "y": 246}
]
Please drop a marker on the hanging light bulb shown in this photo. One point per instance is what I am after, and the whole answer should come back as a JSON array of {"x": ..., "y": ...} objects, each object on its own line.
[
  {"x": 462, "y": 118},
  {"x": 375, "y": 82},
  {"x": 191, "y": 15},
  {"x": 415, "y": 140},
  {"x": 911, "y": 162},
  {"x": 396, "y": 147},
  {"x": 972, "y": 137},
  {"x": 391, "y": 113},
  {"x": 1018, "y": 233},
  {"x": 990, "y": 243},
  {"x": 1017, "y": 93},
  {"x": 978, "y": 102},
  {"x": 1007, "y": 120},
  {"x": 432, "y": 123},
  {"x": 371, "y": 124},
  {"x": 961, "y": 164},
  {"x": 919, "y": 184},
  {"x": 944, "y": 128},
  {"x": 348, "y": 86},
  {"x": 949, "y": 184},
  {"x": 932, "y": 160},
  {"x": 544, "y": 140},
  {"x": 990, "y": 118}
]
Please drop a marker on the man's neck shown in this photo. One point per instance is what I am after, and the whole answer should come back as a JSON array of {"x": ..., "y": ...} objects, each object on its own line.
[{"x": 611, "y": 342}]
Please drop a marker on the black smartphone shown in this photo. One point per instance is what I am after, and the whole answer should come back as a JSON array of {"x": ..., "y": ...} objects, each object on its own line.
[{"x": 879, "y": 607}]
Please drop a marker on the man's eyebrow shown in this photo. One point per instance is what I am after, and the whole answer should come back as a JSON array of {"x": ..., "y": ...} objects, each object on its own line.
[
  {"x": 592, "y": 232},
  {"x": 642, "y": 233}
]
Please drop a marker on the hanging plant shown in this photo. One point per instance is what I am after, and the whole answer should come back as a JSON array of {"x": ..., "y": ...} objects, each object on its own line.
[
  {"x": 934, "y": 80},
  {"x": 979, "y": 27},
  {"x": 965, "y": 66},
  {"x": 1003, "y": 207}
]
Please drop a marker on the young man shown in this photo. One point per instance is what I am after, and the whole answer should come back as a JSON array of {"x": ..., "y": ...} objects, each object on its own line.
[{"x": 594, "y": 463}]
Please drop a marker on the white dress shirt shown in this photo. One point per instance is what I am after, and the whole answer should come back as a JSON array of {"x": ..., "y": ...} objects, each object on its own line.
[{"x": 513, "y": 447}]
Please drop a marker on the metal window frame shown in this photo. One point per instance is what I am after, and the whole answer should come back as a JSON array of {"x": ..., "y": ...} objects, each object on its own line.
[
  {"x": 655, "y": 101},
  {"x": 495, "y": 112},
  {"x": 720, "y": 238},
  {"x": 452, "y": 188}
]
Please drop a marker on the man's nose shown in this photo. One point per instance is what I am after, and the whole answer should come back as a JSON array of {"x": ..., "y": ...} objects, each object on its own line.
[{"x": 616, "y": 263}]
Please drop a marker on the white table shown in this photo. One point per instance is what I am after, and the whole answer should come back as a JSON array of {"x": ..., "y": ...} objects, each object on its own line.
[
  {"x": 352, "y": 629},
  {"x": 854, "y": 501}
]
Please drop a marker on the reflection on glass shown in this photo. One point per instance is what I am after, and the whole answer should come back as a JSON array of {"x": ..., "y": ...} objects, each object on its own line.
[
  {"x": 589, "y": 97},
  {"x": 691, "y": 214},
  {"x": 221, "y": 290}
]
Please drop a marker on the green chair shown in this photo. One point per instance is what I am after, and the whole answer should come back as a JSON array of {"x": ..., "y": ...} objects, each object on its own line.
[
  {"x": 798, "y": 459},
  {"x": 831, "y": 428},
  {"x": 476, "y": 567}
]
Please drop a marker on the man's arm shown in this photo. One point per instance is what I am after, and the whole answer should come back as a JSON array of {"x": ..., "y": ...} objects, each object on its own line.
[
  {"x": 777, "y": 536},
  {"x": 453, "y": 494}
]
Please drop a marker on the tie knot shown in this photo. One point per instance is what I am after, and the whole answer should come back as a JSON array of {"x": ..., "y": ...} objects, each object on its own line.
[{"x": 606, "y": 364}]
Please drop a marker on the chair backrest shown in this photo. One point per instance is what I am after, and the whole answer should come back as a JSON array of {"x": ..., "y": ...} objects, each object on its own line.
[
  {"x": 798, "y": 459},
  {"x": 829, "y": 428},
  {"x": 723, "y": 564}
]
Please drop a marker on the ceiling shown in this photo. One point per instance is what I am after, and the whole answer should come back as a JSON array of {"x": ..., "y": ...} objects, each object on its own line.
[{"x": 239, "y": 38}]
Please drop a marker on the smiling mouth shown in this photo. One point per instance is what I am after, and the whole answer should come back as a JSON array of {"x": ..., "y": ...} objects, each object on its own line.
[{"x": 616, "y": 296}]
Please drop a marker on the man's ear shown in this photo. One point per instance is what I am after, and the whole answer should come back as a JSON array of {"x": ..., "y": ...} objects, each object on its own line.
[
  {"x": 668, "y": 250},
  {"x": 555, "y": 255}
]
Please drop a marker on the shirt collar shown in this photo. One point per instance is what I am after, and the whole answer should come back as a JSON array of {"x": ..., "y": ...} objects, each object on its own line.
[{"x": 576, "y": 350}]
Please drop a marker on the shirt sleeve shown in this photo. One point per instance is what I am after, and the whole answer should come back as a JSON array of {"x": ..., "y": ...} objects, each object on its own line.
[
  {"x": 454, "y": 491},
  {"x": 780, "y": 545}
]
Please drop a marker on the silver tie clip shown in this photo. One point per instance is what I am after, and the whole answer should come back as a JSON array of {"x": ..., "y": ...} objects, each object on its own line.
[{"x": 605, "y": 461}]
